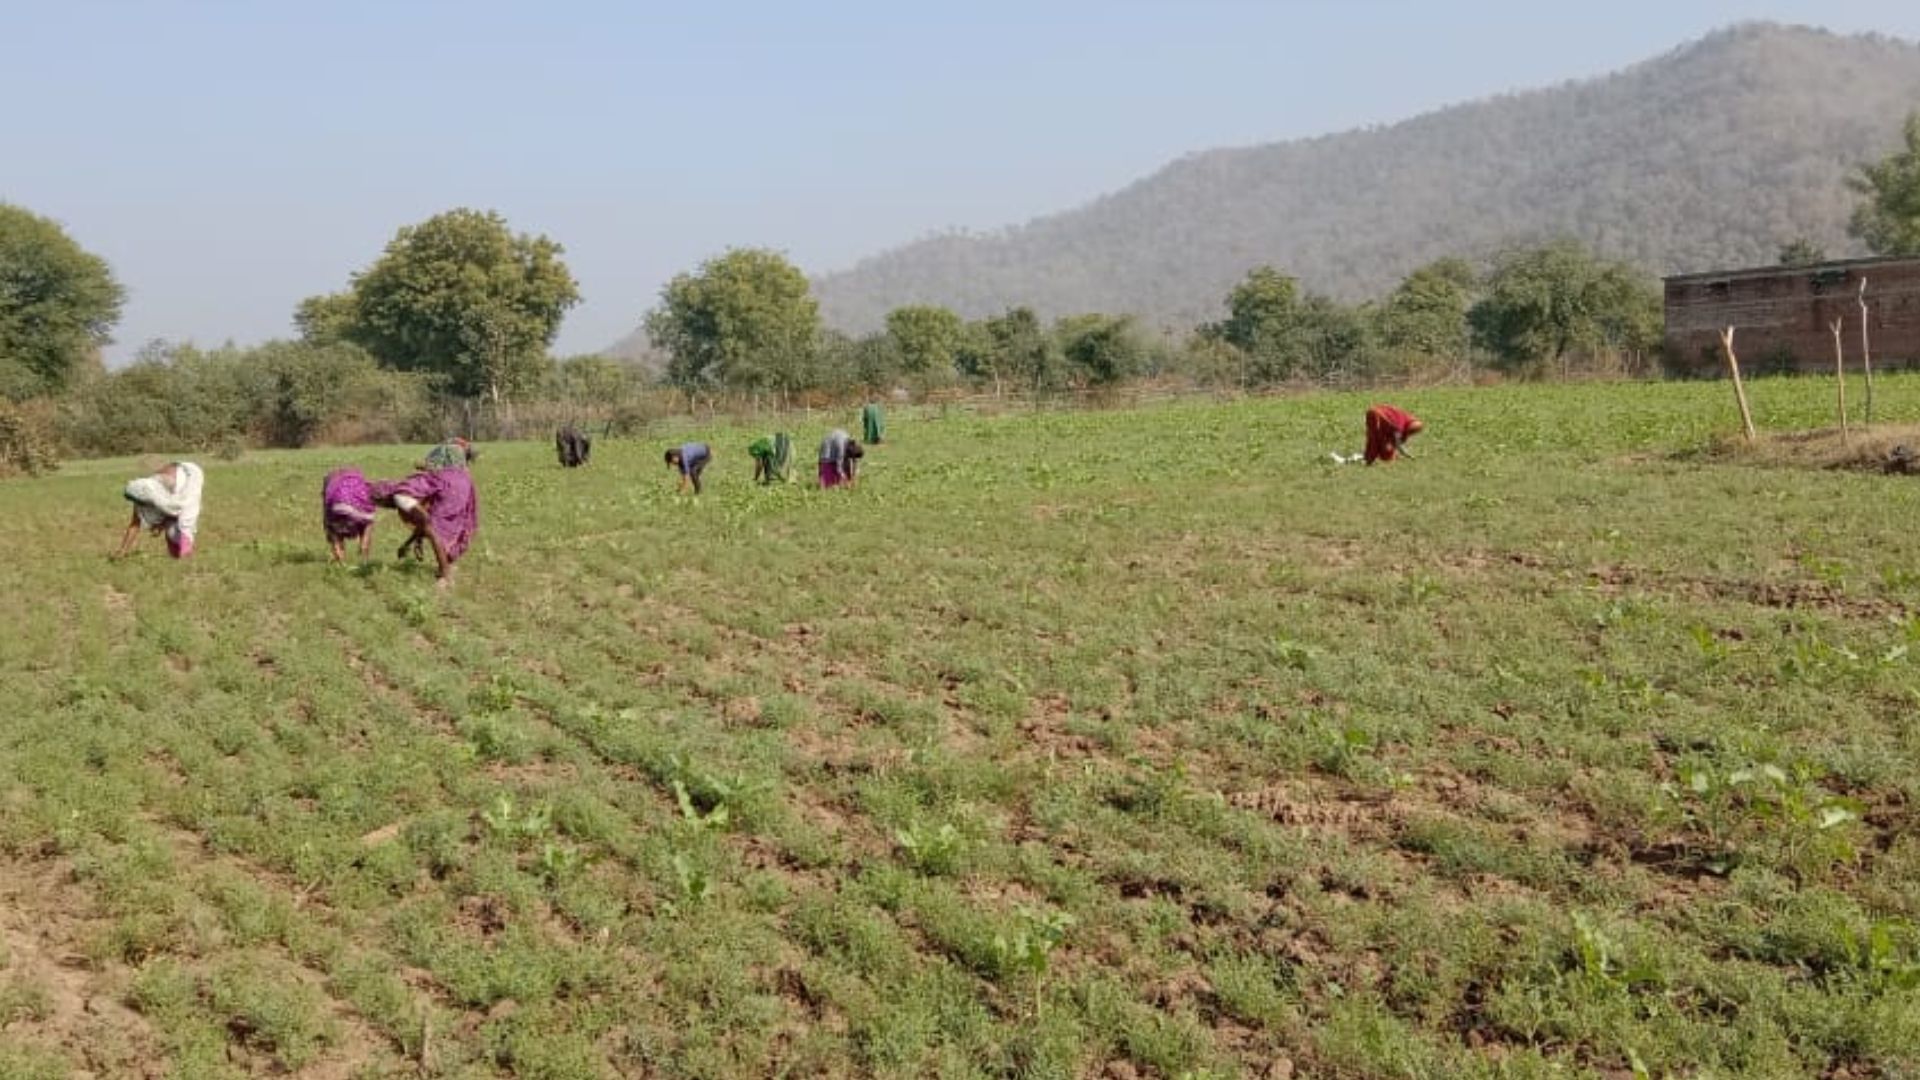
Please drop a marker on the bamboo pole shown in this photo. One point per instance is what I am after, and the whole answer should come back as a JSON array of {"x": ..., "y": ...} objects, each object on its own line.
[
  {"x": 1866, "y": 354},
  {"x": 1840, "y": 374},
  {"x": 1739, "y": 388}
]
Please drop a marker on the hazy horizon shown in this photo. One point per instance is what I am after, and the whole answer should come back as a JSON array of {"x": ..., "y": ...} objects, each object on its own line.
[{"x": 229, "y": 161}]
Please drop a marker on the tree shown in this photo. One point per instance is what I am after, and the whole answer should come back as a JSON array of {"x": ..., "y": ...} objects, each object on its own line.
[
  {"x": 1284, "y": 335},
  {"x": 460, "y": 296},
  {"x": 1103, "y": 349},
  {"x": 927, "y": 338},
  {"x": 1552, "y": 303},
  {"x": 306, "y": 387},
  {"x": 58, "y": 303},
  {"x": 1261, "y": 311},
  {"x": 1427, "y": 314},
  {"x": 1329, "y": 340},
  {"x": 1021, "y": 349},
  {"x": 1801, "y": 251},
  {"x": 326, "y": 319},
  {"x": 1888, "y": 222},
  {"x": 876, "y": 361},
  {"x": 745, "y": 320},
  {"x": 973, "y": 356},
  {"x": 595, "y": 379},
  {"x": 843, "y": 362}
]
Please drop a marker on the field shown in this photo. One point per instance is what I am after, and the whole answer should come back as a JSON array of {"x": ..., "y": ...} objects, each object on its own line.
[{"x": 1097, "y": 744}]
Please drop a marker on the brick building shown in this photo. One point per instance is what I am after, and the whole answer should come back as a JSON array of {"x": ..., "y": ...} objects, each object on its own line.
[{"x": 1785, "y": 316}]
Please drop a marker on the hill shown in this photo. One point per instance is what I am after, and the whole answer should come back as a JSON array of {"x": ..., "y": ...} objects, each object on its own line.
[{"x": 1712, "y": 154}]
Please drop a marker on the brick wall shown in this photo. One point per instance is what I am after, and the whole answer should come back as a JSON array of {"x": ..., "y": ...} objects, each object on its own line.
[{"x": 1785, "y": 316}]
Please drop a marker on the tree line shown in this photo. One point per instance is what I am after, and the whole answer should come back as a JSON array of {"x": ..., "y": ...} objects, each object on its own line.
[{"x": 461, "y": 307}]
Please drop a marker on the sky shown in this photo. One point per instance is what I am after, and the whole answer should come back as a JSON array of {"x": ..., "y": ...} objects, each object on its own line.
[{"x": 230, "y": 158}]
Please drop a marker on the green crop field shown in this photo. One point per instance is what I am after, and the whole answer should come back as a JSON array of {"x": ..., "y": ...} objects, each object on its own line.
[{"x": 1117, "y": 744}]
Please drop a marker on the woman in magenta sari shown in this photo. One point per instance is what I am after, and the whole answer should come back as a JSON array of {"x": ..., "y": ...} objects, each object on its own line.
[
  {"x": 347, "y": 512},
  {"x": 443, "y": 509}
]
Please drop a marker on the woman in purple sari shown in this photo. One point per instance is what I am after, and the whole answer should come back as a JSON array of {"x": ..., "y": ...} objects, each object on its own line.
[
  {"x": 347, "y": 512},
  {"x": 443, "y": 509}
]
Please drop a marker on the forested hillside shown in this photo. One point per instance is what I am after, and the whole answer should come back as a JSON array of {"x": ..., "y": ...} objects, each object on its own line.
[{"x": 1715, "y": 153}]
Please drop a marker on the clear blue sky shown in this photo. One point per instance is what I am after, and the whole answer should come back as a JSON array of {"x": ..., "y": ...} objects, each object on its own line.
[{"x": 230, "y": 158}]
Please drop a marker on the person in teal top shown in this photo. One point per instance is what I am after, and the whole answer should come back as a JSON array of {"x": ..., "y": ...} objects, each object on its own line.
[{"x": 873, "y": 423}]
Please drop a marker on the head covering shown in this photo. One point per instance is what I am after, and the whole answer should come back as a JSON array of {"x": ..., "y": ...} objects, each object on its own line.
[{"x": 452, "y": 454}]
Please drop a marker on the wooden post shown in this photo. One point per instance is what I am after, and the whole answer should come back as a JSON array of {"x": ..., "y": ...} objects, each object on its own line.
[
  {"x": 1840, "y": 374},
  {"x": 1739, "y": 388},
  {"x": 1866, "y": 354}
]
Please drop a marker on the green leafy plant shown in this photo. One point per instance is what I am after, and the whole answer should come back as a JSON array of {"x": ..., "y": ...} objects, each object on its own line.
[
  {"x": 931, "y": 851},
  {"x": 694, "y": 883},
  {"x": 1886, "y": 955},
  {"x": 1349, "y": 752},
  {"x": 504, "y": 817},
  {"x": 560, "y": 861},
  {"x": 1739, "y": 809},
  {"x": 1712, "y": 649},
  {"x": 1028, "y": 950},
  {"x": 1600, "y": 960},
  {"x": 715, "y": 818},
  {"x": 1292, "y": 654}
]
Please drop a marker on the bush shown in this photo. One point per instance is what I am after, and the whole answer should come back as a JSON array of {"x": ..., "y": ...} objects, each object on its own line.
[
  {"x": 26, "y": 441},
  {"x": 281, "y": 394}
]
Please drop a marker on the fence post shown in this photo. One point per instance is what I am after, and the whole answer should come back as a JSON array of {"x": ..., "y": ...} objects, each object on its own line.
[
  {"x": 1866, "y": 355},
  {"x": 1739, "y": 388},
  {"x": 1840, "y": 374}
]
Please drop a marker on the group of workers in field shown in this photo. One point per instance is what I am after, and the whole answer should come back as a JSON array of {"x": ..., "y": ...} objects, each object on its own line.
[
  {"x": 772, "y": 455},
  {"x": 438, "y": 501}
]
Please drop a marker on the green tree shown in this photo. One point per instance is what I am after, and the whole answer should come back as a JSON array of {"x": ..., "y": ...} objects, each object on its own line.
[
  {"x": 1888, "y": 222},
  {"x": 594, "y": 379},
  {"x": 973, "y": 356},
  {"x": 1801, "y": 251},
  {"x": 302, "y": 388},
  {"x": 1102, "y": 349},
  {"x": 57, "y": 305},
  {"x": 1554, "y": 303},
  {"x": 745, "y": 320},
  {"x": 926, "y": 337},
  {"x": 877, "y": 362},
  {"x": 1330, "y": 340},
  {"x": 460, "y": 296},
  {"x": 1426, "y": 315},
  {"x": 1022, "y": 350},
  {"x": 1284, "y": 335},
  {"x": 1261, "y": 314},
  {"x": 326, "y": 319}
]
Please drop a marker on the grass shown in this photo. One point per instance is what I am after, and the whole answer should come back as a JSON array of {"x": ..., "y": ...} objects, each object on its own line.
[{"x": 1144, "y": 744}]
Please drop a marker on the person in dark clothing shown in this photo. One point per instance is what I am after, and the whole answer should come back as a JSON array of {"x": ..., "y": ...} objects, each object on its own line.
[
  {"x": 691, "y": 460},
  {"x": 573, "y": 446}
]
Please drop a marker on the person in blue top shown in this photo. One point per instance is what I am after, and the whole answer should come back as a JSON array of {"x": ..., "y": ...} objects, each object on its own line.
[{"x": 691, "y": 459}]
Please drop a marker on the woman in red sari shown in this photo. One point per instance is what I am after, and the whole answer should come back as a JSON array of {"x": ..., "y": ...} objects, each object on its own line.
[{"x": 1388, "y": 430}]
